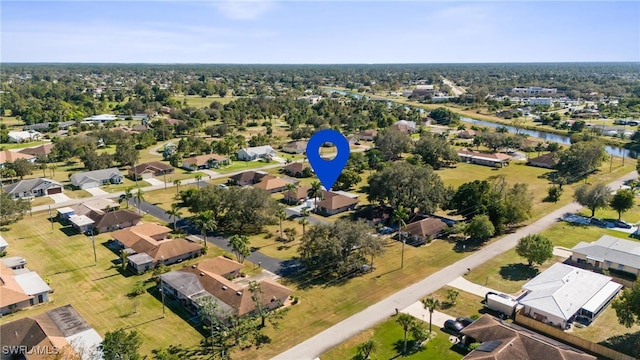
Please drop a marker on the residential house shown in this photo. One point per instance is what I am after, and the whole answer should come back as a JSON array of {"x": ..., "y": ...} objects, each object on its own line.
[
  {"x": 41, "y": 150},
  {"x": 501, "y": 340},
  {"x": 548, "y": 161},
  {"x": 609, "y": 253},
  {"x": 206, "y": 161},
  {"x": 406, "y": 127},
  {"x": 149, "y": 246},
  {"x": 297, "y": 195},
  {"x": 225, "y": 267},
  {"x": 23, "y": 136},
  {"x": 255, "y": 153},
  {"x": 486, "y": 159},
  {"x": 149, "y": 170},
  {"x": 7, "y": 157},
  {"x": 102, "y": 118},
  {"x": 20, "y": 289},
  {"x": 368, "y": 135},
  {"x": 295, "y": 147},
  {"x": 114, "y": 220},
  {"x": 271, "y": 184},
  {"x": 334, "y": 203},
  {"x": 422, "y": 231},
  {"x": 3, "y": 244},
  {"x": 467, "y": 134},
  {"x": 247, "y": 177},
  {"x": 33, "y": 188},
  {"x": 88, "y": 206},
  {"x": 562, "y": 292},
  {"x": 297, "y": 169},
  {"x": 96, "y": 178},
  {"x": 40, "y": 336},
  {"x": 193, "y": 284}
]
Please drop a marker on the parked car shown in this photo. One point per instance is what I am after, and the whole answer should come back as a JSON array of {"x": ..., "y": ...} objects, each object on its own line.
[
  {"x": 453, "y": 326},
  {"x": 598, "y": 222},
  {"x": 465, "y": 321},
  {"x": 622, "y": 224},
  {"x": 385, "y": 230}
]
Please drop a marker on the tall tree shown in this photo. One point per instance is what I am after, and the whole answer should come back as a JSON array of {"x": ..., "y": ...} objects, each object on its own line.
[
  {"x": 121, "y": 345},
  {"x": 430, "y": 304},
  {"x": 400, "y": 215},
  {"x": 392, "y": 143},
  {"x": 415, "y": 187},
  {"x": 273, "y": 314},
  {"x": 175, "y": 213},
  {"x": 281, "y": 215},
  {"x": 435, "y": 151},
  {"x": 622, "y": 201},
  {"x": 205, "y": 222},
  {"x": 594, "y": 197},
  {"x": 241, "y": 246},
  {"x": 22, "y": 168},
  {"x": 366, "y": 349},
  {"x": 535, "y": 248},
  {"x": 406, "y": 321},
  {"x": 126, "y": 196},
  {"x": 581, "y": 159},
  {"x": 627, "y": 307},
  {"x": 316, "y": 193},
  {"x": 177, "y": 183},
  {"x": 480, "y": 227},
  {"x": 139, "y": 199},
  {"x": 126, "y": 152}
]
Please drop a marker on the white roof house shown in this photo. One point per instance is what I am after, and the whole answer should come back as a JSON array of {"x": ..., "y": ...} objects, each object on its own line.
[
  {"x": 3, "y": 244},
  {"x": 562, "y": 292},
  {"x": 609, "y": 252},
  {"x": 256, "y": 152},
  {"x": 32, "y": 283},
  {"x": 101, "y": 118},
  {"x": 23, "y": 136}
]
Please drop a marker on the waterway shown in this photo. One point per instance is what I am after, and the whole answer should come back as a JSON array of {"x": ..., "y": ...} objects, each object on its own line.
[{"x": 562, "y": 139}]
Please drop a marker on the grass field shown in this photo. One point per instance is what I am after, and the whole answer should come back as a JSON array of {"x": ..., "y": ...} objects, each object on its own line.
[
  {"x": 10, "y": 146},
  {"x": 466, "y": 305},
  {"x": 200, "y": 102},
  {"x": 242, "y": 165},
  {"x": 388, "y": 337}
]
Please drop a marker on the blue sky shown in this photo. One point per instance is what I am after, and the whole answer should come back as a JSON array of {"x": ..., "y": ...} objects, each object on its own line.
[{"x": 265, "y": 31}]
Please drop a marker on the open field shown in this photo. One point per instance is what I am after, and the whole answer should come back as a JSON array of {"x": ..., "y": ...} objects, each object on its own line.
[
  {"x": 242, "y": 165},
  {"x": 269, "y": 244},
  {"x": 466, "y": 305},
  {"x": 388, "y": 337},
  {"x": 12, "y": 122},
  {"x": 200, "y": 102},
  {"x": 24, "y": 145}
]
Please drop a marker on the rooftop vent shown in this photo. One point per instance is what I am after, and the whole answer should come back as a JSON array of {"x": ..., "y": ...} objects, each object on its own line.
[
  {"x": 238, "y": 293},
  {"x": 201, "y": 274},
  {"x": 224, "y": 287},
  {"x": 193, "y": 266}
]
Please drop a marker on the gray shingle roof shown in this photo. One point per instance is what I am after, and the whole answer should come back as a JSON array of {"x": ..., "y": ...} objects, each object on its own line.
[
  {"x": 613, "y": 249},
  {"x": 83, "y": 177},
  {"x": 30, "y": 185}
]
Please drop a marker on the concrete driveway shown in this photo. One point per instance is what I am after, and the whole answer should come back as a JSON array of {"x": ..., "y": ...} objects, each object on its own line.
[
  {"x": 59, "y": 198},
  {"x": 154, "y": 181},
  {"x": 97, "y": 191},
  {"x": 419, "y": 312}
]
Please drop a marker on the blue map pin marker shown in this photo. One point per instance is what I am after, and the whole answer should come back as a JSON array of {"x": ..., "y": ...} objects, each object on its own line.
[{"x": 328, "y": 171}]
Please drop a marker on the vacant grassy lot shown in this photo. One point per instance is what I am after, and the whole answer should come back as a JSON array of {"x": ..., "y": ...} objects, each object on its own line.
[
  {"x": 242, "y": 165},
  {"x": 605, "y": 327},
  {"x": 466, "y": 305},
  {"x": 270, "y": 244},
  {"x": 389, "y": 340},
  {"x": 200, "y": 102}
]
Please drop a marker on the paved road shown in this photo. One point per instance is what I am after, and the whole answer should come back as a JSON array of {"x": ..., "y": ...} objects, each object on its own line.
[{"x": 320, "y": 343}]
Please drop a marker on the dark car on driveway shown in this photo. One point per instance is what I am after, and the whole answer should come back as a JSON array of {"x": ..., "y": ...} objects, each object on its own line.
[
  {"x": 622, "y": 224},
  {"x": 465, "y": 321},
  {"x": 453, "y": 326}
]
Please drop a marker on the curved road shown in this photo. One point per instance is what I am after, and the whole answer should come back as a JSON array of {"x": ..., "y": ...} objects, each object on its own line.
[{"x": 335, "y": 335}]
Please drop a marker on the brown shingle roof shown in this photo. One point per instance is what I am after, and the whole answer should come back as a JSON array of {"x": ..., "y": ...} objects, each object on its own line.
[
  {"x": 10, "y": 291},
  {"x": 297, "y": 145},
  {"x": 488, "y": 156},
  {"x": 219, "y": 265},
  {"x": 333, "y": 201},
  {"x": 113, "y": 218},
  {"x": 299, "y": 193},
  {"x": 547, "y": 160},
  {"x": 515, "y": 342},
  {"x": 247, "y": 176},
  {"x": 270, "y": 182},
  {"x": 140, "y": 239},
  {"x": 43, "y": 149},
  {"x": 426, "y": 227},
  {"x": 295, "y": 168},
  {"x": 152, "y": 166},
  {"x": 7, "y": 156}
]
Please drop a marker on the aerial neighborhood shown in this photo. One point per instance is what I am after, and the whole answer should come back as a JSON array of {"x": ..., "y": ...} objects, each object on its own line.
[{"x": 172, "y": 212}]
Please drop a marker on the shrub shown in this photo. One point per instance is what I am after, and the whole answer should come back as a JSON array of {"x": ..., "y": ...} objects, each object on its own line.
[
  {"x": 138, "y": 289},
  {"x": 295, "y": 300}
]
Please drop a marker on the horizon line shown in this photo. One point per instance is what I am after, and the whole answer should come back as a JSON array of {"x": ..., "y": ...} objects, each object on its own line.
[{"x": 315, "y": 64}]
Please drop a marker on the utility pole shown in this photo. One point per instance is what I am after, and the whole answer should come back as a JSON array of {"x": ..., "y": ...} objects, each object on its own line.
[
  {"x": 93, "y": 243},
  {"x": 50, "y": 218},
  {"x": 402, "y": 256},
  {"x": 162, "y": 296}
]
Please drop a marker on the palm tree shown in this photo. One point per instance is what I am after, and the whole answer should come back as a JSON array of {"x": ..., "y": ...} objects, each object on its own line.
[
  {"x": 366, "y": 348},
  {"x": 400, "y": 215},
  {"x": 291, "y": 187},
  {"x": 44, "y": 168},
  {"x": 139, "y": 198},
  {"x": 281, "y": 215},
  {"x": 304, "y": 222},
  {"x": 430, "y": 304},
  {"x": 53, "y": 168},
  {"x": 126, "y": 196},
  {"x": 177, "y": 183},
  {"x": 315, "y": 192},
  {"x": 407, "y": 322},
  {"x": 205, "y": 222},
  {"x": 175, "y": 213},
  {"x": 240, "y": 246},
  {"x": 198, "y": 178}
]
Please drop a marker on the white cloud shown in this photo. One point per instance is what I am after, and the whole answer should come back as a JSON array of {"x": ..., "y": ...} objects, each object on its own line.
[{"x": 243, "y": 9}]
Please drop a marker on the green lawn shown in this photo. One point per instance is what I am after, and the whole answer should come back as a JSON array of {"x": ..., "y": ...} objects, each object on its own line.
[
  {"x": 388, "y": 337},
  {"x": 242, "y": 165},
  {"x": 466, "y": 305},
  {"x": 200, "y": 102},
  {"x": 9, "y": 146}
]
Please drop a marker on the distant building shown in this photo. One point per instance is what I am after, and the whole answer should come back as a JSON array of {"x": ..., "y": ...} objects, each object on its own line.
[
  {"x": 534, "y": 90},
  {"x": 40, "y": 150},
  {"x": 33, "y": 188},
  {"x": 96, "y": 178},
  {"x": 545, "y": 101},
  {"x": 23, "y": 136},
  {"x": 548, "y": 161},
  {"x": 421, "y": 231},
  {"x": 486, "y": 159},
  {"x": 297, "y": 169},
  {"x": 102, "y": 118},
  {"x": 609, "y": 253},
  {"x": 248, "y": 177},
  {"x": 295, "y": 147},
  {"x": 20, "y": 289},
  {"x": 206, "y": 161},
  {"x": 255, "y": 153},
  {"x": 149, "y": 170},
  {"x": 334, "y": 203},
  {"x": 367, "y": 135},
  {"x": 271, "y": 184}
]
